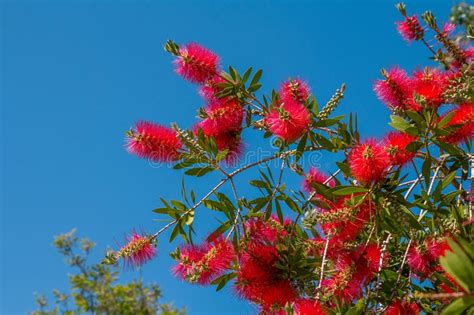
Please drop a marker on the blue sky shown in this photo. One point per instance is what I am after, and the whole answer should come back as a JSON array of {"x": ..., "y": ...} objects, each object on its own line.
[{"x": 76, "y": 74}]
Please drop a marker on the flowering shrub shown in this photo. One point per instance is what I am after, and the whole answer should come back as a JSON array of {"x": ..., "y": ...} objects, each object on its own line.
[{"x": 366, "y": 238}]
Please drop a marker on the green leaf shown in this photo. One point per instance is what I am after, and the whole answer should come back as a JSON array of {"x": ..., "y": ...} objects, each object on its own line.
[
  {"x": 357, "y": 309},
  {"x": 344, "y": 168},
  {"x": 347, "y": 190},
  {"x": 176, "y": 230},
  {"x": 459, "y": 266},
  {"x": 256, "y": 77},
  {"x": 426, "y": 170},
  {"x": 399, "y": 123},
  {"x": 448, "y": 179},
  {"x": 300, "y": 147},
  {"x": 445, "y": 120},
  {"x": 458, "y": 306},
  {"x": 164, "y": 210},
  {"x": 246, "y": 75},
  {"x": 199, "y": 171},
  {"x": 222, "y": 280},
  {"x": 412, "y": 220}
]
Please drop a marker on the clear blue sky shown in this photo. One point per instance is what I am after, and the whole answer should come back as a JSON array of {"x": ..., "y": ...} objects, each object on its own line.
[{"x": 76, "y": 74}]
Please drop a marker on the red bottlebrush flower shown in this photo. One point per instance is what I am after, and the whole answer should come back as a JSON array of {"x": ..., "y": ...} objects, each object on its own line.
[
  {"x": 230, "y": 141},
  {"x": 294, "y": 90},
  {"x": 308, "y": 307},
  {"x": 395, "y": 89},
  {"x": 345, "y": 221},
  {"x": 395, "y": 144},
  {"x": 402, "y": 308},
  {"x": 368, "y": 162},
  {"x": 372, "y": 255},
  {"x": 448, "y": 28},
  {"x": 202, "y": 264},
  {"x": 196, "y": 63},
  {"x": 316, "y": 176},
  {"x": 152, "y": 141},
  {"x": 138, "y": 250},
  {"x": 351, "y": 275},
  {"x": 429, "y": 86},
  {"x": 419, "y": 261},
  {"x": 210, "y": 88},
  {"x": 463, "y": 123},
  {"x": 410, "y": 29},
  {"x": 436, "y": 248},
  {"x": 289, "y": 121},
  {"x": 266, "y": 231},
  {"x": 222, "y": 117},
  {"x": 258, "y": 279}
]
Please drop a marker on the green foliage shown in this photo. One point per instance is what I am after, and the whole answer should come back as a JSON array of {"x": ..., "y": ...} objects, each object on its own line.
[{"x": 95, "y": 288}]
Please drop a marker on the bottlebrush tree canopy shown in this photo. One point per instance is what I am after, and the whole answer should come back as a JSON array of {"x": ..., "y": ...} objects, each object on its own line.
[{"x": 387, "y": 229}]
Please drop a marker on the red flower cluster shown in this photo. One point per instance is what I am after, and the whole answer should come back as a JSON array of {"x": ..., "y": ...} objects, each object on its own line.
[
  {"x": 223, "y": 123},
  {"x": 196, "y": 63},
  {"x": 402, "y": 308},
  {"x": 395, "y": 144},
  {"x": 204, "y": 263},
  {"x": 395, "y": 89},
  {"x": 294, "y": 91},
  {"x": 152, "y": 141},
  {"x": 429, "y": 86},
  {"x": 308, "y": 307},
  {"x": 210, "y": 88},
  {"x": 422, "y": 258},
  {"x": 463, "y": 123},
  {"x": 400, "y": 92},
  {"x": 289, "y": 120},
  {"x": 258, "y": 279},
  {"x": 344, "y": 222},
  {"x": 410, "y": 29},
  {"x": 138, "y": 250},
  {"x": 368, "y": 162},
  {"x": 353, "y": 271},
  {"x": 316, "y": 176}
]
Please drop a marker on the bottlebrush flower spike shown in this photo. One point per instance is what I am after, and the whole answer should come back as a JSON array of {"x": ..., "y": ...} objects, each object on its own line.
[
  {"x": 294, "y": 90},
  {"x": 402, "y": 308},
  {"x": 289, "y": 121},
  {"x": 266, "y": 231},
  {"x": 368, "y": 162},
  {"x": 419, "y": 260},
  {"x": 308, "y": 307},
  {"x": 428, "y": 85},
  {"x": 316, "y": 176},
  {"x": 210, "y": 88},
  {"x": 202, "y": 264},
  {"x": 232, "y": 142},
  {"x": 257, "y": 282},
  {"x": 196, "y": 63},
  {"x": 372, "y": 255},
  {"x": 436, "y": 247},
  {"x": 350, "y": 277},
  {"x": 448, "y": 28},
  {"x": 344, "y": 221},
  {"x": 138, "y": 250},
  {"x": 463, "y": 123},
  {"x": 222, "y": 117},
  {"x": 152, "y": 141},
  {"x": 395, "y": 144},
  {"x": 410, "y": 29},
  {"x": 395, "y": 89}
]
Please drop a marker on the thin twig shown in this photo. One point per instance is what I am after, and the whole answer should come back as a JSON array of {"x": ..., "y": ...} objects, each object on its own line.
[
  {"x": 239, "y": 209},
  {"x": 323, "y": 264}
]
